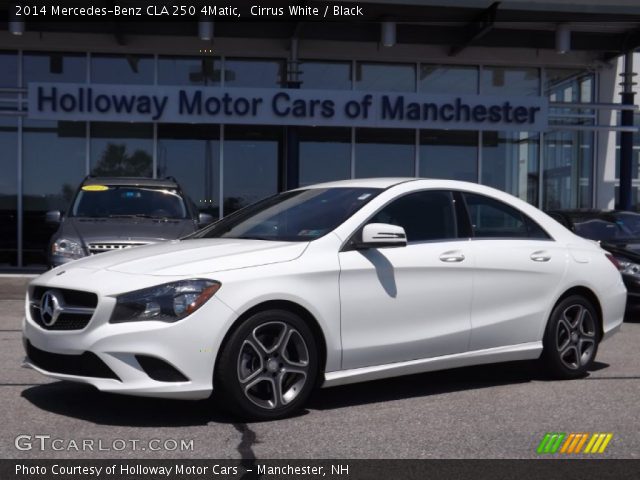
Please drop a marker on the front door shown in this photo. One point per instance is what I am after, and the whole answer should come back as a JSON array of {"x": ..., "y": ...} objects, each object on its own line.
[{"x": 406, "y": 303}]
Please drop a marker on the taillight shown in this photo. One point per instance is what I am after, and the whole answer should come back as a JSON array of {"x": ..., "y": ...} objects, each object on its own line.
[{"x": 614, "y": 260}]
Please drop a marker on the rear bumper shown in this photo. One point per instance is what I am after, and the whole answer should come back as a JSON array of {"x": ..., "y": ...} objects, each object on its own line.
[{"x": 613, "y": 305}]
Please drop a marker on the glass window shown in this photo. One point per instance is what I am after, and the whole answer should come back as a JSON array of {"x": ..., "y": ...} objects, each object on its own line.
[
  {"x": 189, "y": 71},
  {"x": 54, "y": 67},
  {"x": 426, "y": 215},
  {"x": 386, "y": 77},
  {"x": 129, "y": 201},
  {"x": 254, "y": 73},
  {"x": 449, "y": 154},
  {"x": 510, "y": 163},
  {"x": 8, "y": 191},
  {"x": 448, "y": 79},
  {"x": 510, "y": 81},
  {"x": 122, "y": 69},
  {"x": 250, "y": 164},
  {"x": 191, "y": 154},
  {"x": 8, "y": 69},
  {"x": 569, "y": 85},
  {"x": 121, "y": 149},
  {"x": 53, "y": 166},
  {"x": 491, "y": 218},
  {"x": 325, "y": 154},
  {"x": 385, "y": 152},
  {"x": 296, "y": 216},
  {"x": 567, "y": 174},
  {"x": 325, "y": 75},
  {"x": 601, "y": 229}
]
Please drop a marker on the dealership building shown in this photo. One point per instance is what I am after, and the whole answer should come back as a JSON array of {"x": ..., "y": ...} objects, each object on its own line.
[{"x": 535, "y": 98}]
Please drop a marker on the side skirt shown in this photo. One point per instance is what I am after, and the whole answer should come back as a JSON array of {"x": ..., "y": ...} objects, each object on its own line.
[{"x": 522, "y": 351}]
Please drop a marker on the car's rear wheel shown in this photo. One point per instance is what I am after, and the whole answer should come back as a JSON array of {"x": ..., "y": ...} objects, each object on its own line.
[
  {"x": 268, "y": 367},
  {"x": 571, "y": 338}
]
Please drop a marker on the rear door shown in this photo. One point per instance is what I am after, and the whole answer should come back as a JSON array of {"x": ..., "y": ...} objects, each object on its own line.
[{"x": 518, "y": 269}]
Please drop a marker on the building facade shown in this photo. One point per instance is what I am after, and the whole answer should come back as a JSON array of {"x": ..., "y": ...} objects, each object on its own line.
[{"x": 570, "y": 163}]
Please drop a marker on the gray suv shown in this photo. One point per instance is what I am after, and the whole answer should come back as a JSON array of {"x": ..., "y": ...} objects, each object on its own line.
[{"x": 115, "y": 213}]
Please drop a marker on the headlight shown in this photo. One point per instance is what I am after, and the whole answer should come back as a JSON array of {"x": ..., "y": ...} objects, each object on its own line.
[
  {"x": 66, "y": 247},
  {"x": 629, "y": 268},
  {"x": 166, "y": 303}
]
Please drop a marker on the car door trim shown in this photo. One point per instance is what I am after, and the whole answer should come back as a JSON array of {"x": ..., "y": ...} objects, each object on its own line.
[{"x": 521, "y": 351}]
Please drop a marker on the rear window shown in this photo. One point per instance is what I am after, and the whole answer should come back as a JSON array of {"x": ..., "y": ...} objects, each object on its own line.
[{"x": 491, "y": 218}]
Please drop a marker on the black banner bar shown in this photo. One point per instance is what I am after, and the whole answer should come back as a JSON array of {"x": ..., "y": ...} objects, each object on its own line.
[
  {"x": 179, "y": 469},
  {"x": 38, "y": 11}
]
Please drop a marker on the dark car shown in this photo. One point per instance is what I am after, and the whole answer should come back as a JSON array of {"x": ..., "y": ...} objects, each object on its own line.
[
  {"x": 618, "y": 232},
  {"x": 115, "y": 213}
]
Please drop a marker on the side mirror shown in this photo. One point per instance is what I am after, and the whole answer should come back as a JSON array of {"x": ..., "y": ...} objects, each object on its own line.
[
  {"x": 53, "y": 217},
  {"x": 204, "y": 219},
  {"x": 377, "y": 235}
]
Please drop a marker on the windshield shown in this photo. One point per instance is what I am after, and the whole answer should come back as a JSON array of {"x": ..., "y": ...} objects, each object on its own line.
[
  {"x": 623, "y": 227},
  {"x": 297, "y": 216},
  {"x": 101, "y": 201}
]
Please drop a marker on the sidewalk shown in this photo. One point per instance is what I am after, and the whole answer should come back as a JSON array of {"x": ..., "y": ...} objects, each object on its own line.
[{"x": 13, "y": 287}]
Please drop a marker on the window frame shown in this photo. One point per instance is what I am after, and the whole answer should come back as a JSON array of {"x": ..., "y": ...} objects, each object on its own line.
[
  {"x": 529, "y": 223},
  {"x": 461, "y": 225}
]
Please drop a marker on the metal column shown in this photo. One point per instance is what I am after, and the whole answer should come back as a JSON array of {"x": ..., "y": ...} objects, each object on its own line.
[
  {"x": 626, "y": 137},
  {"x": 291, "y": 169}
]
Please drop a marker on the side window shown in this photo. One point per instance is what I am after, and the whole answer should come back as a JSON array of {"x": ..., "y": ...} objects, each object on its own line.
[
  {"x": 491, "y": 218},
  {"x": 426, "y": 215}
]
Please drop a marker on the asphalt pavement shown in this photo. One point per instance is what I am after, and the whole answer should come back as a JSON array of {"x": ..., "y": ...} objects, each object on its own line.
[{"x": 495, "y": 411}]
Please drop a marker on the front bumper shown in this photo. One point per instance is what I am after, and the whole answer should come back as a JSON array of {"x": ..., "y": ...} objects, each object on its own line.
[{"x": 189, "y": 346}]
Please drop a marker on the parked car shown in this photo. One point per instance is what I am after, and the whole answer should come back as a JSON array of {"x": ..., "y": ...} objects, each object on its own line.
[
  {"x": 115, "y": 213},
  {"x": 326, "y": 285},
  {"x": 617, "y": 232}
]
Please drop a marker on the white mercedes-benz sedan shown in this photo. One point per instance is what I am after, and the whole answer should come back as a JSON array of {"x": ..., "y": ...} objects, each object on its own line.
[{"x": 325, "y": 285}]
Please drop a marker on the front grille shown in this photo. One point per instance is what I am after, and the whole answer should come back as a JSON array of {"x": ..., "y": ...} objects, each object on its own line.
[
  {"x": 77, "y": 308},
  {"x": 95, "y": 248},
  {"x": 86, "y": 364}
]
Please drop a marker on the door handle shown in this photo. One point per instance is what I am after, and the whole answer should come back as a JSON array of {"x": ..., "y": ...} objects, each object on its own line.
[
  {"x": 452, "y": 256},
  {"x": 540, "y": 256}
]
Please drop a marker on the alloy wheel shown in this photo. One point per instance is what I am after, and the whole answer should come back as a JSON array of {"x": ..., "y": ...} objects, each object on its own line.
[
  {"x": 576, "y": 336},
  {"x": 273, "y": 365}
]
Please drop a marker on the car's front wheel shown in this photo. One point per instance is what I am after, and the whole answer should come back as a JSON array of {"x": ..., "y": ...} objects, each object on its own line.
[
  {"x": 268, "y": 366},
  {"x": 571, "y": 338}
]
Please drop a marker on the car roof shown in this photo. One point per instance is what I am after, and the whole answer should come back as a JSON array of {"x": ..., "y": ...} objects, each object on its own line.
[
  {"x": 382, "y": 182},
  {"x": 132, "y": 182}
]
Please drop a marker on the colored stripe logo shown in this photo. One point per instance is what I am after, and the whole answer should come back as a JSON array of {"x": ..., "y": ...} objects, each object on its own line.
[{"x": 572, "y": 443}]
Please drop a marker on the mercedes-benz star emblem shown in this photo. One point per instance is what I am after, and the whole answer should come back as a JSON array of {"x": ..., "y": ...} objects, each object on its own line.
[{"x": 50, "y": 308}]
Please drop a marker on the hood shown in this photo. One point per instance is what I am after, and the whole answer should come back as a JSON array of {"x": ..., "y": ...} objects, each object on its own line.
[
  {"x": 629, "y": 248},
  {"x": 98, "y": 230},
  {"x": 192, "y": 257}
]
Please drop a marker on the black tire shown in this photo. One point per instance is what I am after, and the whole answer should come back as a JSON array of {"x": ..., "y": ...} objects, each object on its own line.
[
  {"x": 571, "y": 338},
  {"x": 259, "y": 378}
]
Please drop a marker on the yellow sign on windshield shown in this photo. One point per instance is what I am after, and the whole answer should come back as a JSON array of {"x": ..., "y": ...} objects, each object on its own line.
[{"x": 95, "y": 188}]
